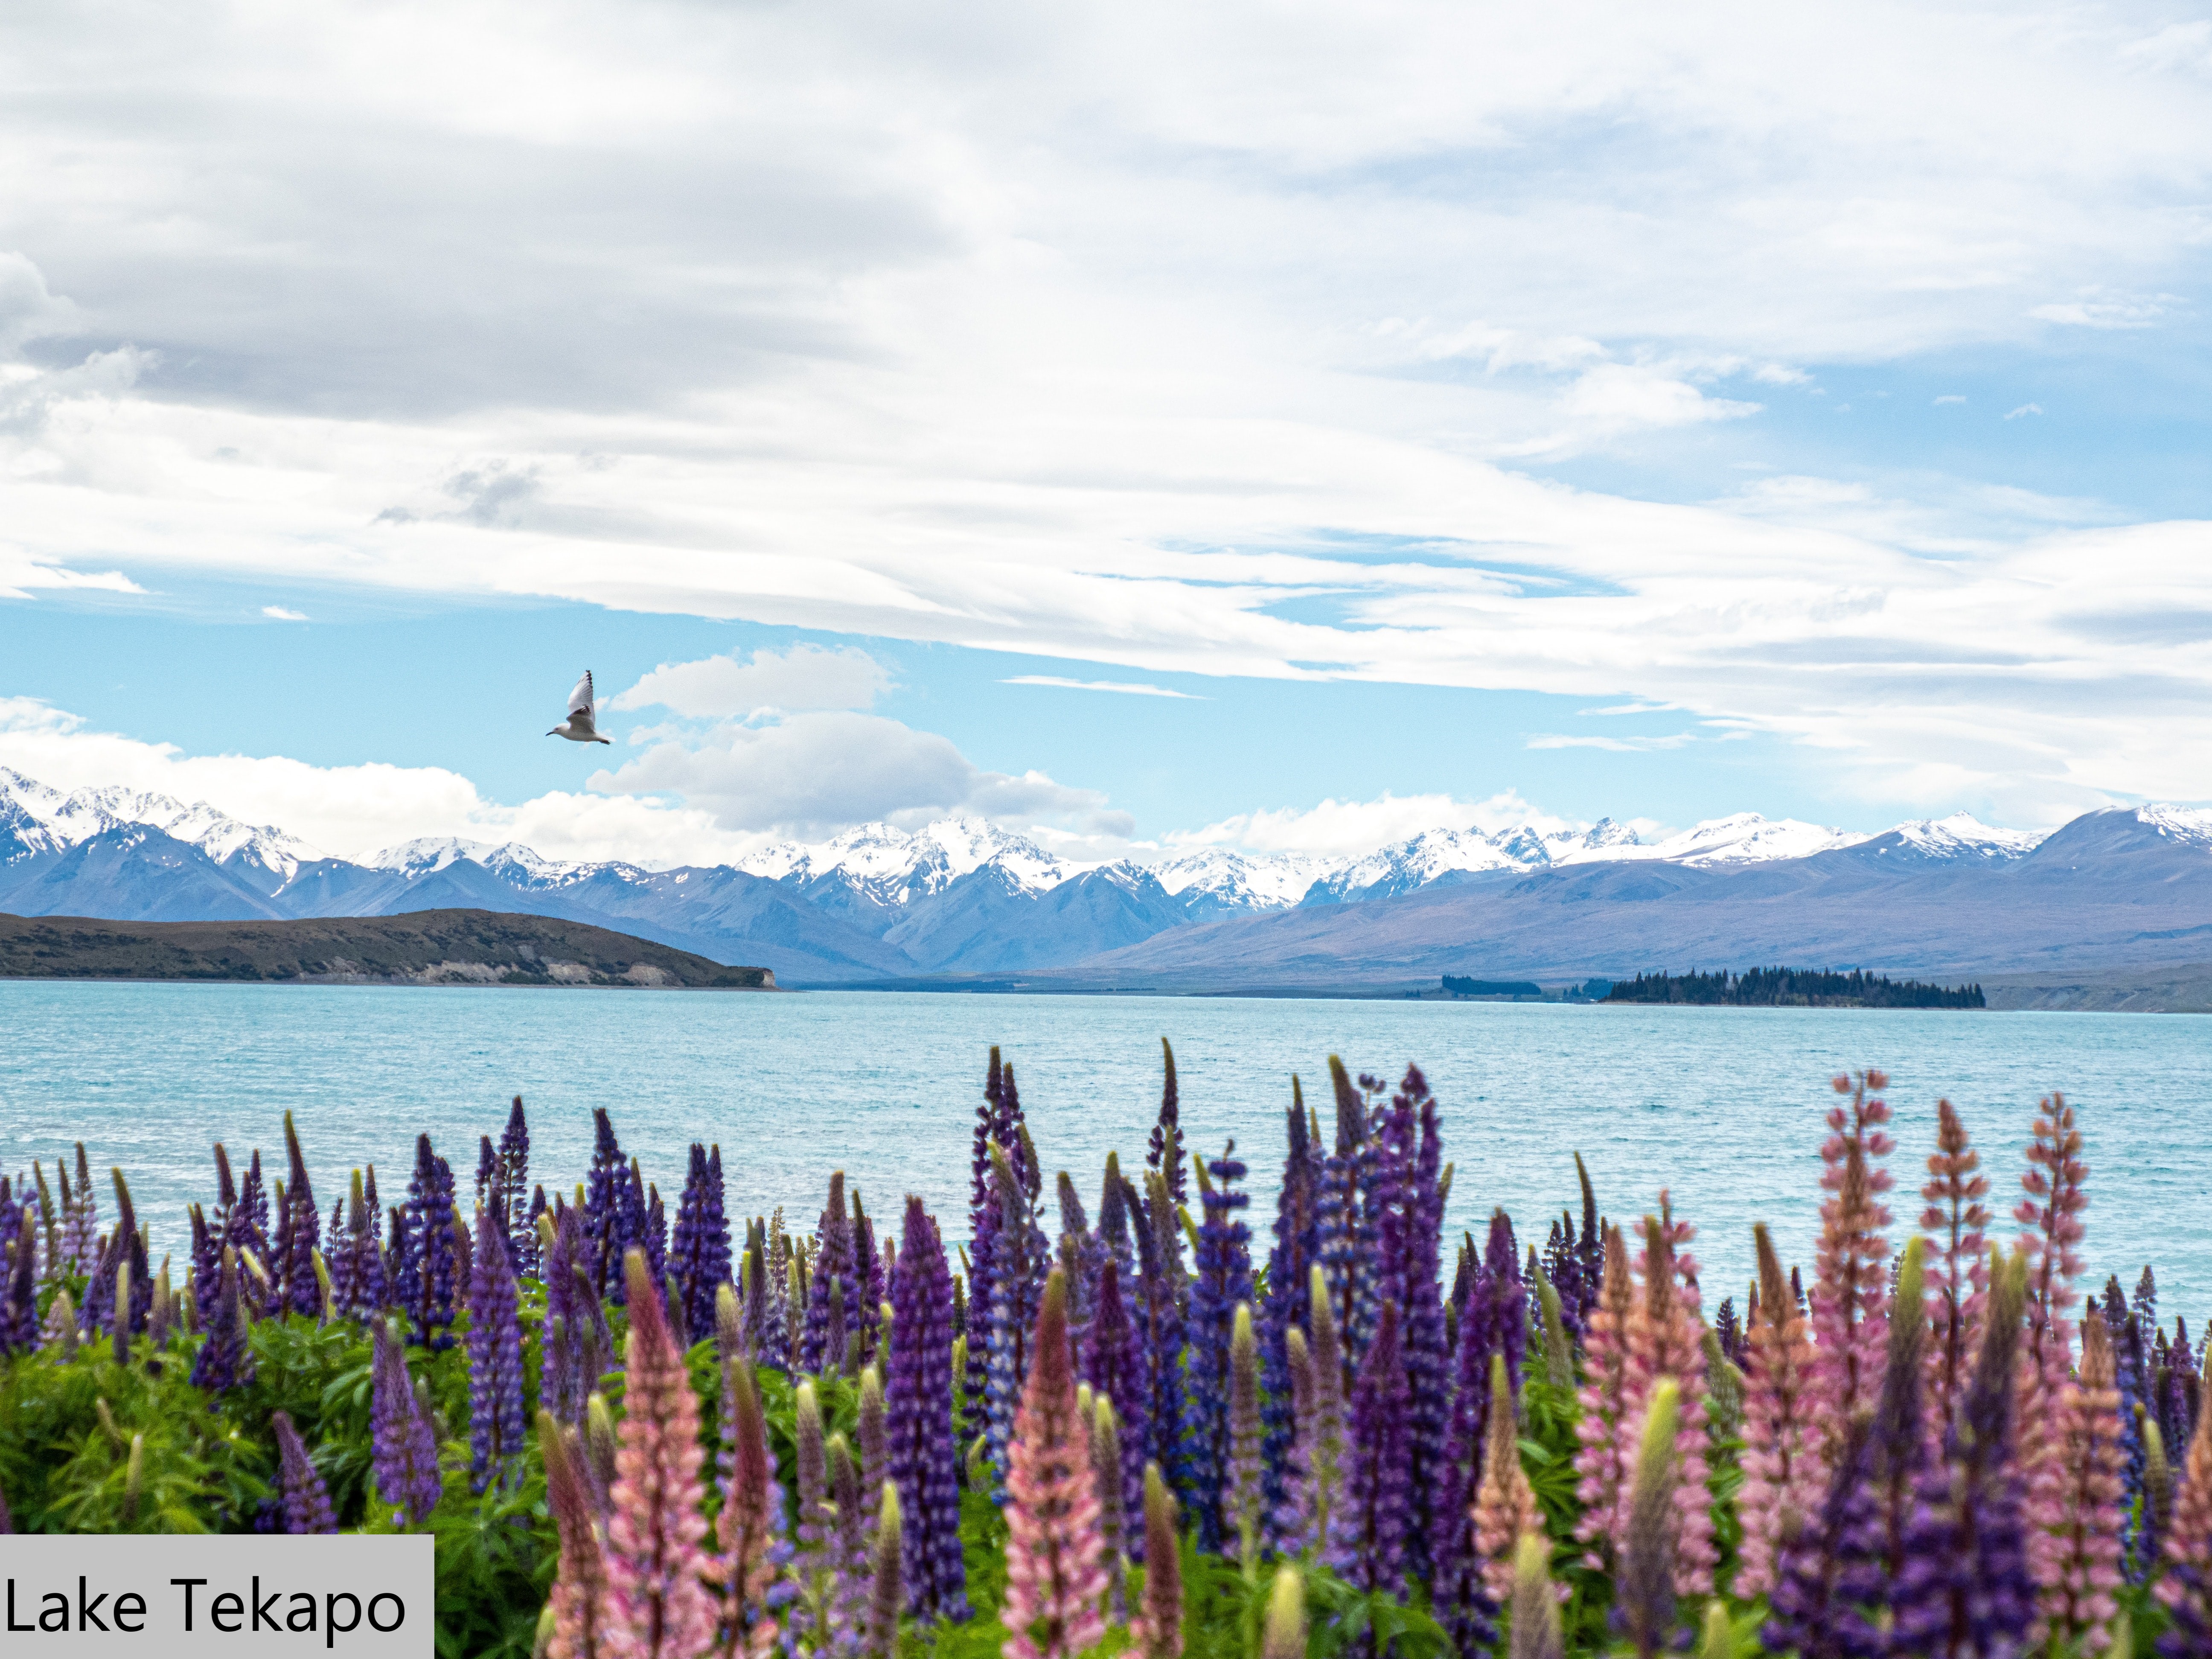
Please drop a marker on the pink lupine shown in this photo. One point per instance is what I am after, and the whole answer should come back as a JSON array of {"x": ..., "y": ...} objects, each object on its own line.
[
  {"x": 1850, "y": 1289},
  {"x": 579, "y": 1601},
  {"x": 1666, "y": 1340},
  {"x": 2051, "y": 1216},
  {"x": 1958, "y": 1271},
  {"x": 2074, "y": 1549},
  {"x": 1504, "y": 1504},
  {"x": 1607, "y": 1419},
  {"x": 1055, "y": 1575},
  {"x": 658, "y": 1607},
  {"x": 1781, "y": 1451}
]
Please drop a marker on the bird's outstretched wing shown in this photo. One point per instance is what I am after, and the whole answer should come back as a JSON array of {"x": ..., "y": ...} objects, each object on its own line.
[{"x": 580, "y": 700}]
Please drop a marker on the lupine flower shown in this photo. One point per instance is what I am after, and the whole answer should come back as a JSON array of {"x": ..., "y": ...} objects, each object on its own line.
[
  {"x": 1221, "y": 1281},
  {"x": 1321, "y": 1426},
  {"x": 923, "y": 1458},
  {"x": 1814, "y": 1614},
  {"x": 2049, "y": 1215},
  {"x": 844, "y": 1629},
  {"x": 495, "y": 1342},
  {"x": 1606, "y": 1421},
  {"x": 1405, "y": 1196},
  {"x": 1506, "y": 1506},
  {"x": 701, "y": 1243},
  {"x": 1107, "y": 1473},
  {"x": 1244, "y": 1497},
  {"x": 306, "y": 1499},
  {"x": 2185, "y": 1590},
  {"x": 659, "y": 1608},
  {"x": 368, "y": 1290},
  {"x": 1284, "y": 1637},
  {"x": 406, "y": 1444},
  {"x": 1851, "y": 1282},
  {"x": 1019, "y": 1268},
  {"x": 750, "y": 1528},
  {"x": 2075, "y": 1552},
  {"x": 299, "y": 1291},
  {"x": 836, "y": 1286},
  {"x": 521, "y": 1228},
  {"x": 1164, "y": 1150},
  {"x": 887, "y": 1596},
  {"x": 605, "y": 1189},
  {"x": 224, "y": 1360},
  {"x": 579, "y": 1602},
  {"x": 1081, "y": 1254},
  {"x": 1665, "y": 1341},
  {"x": 1116, "y": 1198},
  {"x": 1954, "y": 1218},
  {"x": 1158, "y": 1628},
  {"x": 1112, "y": 1365},
  {"x": 1346, "y": 1231},
  {"x": 19, "y": 1297},
  {"x": 1899, "y": 1452},
  {"x": 994, "y": 1127},
  {"x": 1964, "y": 1587},
  {"x": 1297, "y": 1249},
  {"x": 1160, "y": 1328},
  {"x": 1781, "y": 1455},
  {"x": 1535, "y": 1604},
  {"x": 80, "y": 1216},
  {"x": 1465, "y": 1603},
  {"x": 1368, "y": 1529},
  {"x": 428, "y": 1262},
  {"x": 653, "y": 1232},
  {"x": 1644, "y": 1587},
  {"x": 1053, "y": 1576},
  {"x": 248, "y": 1221}
]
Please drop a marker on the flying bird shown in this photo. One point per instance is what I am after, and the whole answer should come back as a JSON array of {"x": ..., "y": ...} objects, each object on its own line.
[{"x": 579, "y": 726}]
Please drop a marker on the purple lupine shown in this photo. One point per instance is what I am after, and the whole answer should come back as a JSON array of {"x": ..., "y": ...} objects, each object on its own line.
[
  {"x": 1411, "y": 1271},
  {"x": 1965, "y": 1587},
  {"x": 306, "y": 1499},
  {"x": 1081, "y": 1254},
  {"x": 81, "y": 1217},
  {"x": 406, "y": 1444},
  {"x": 532, "y": 1244},
  {"x": 299, "y": 1291},
  {"x": 652, "y": 1230},
  {"x": 515, "y": 1189},
  {"x": 207, "y": 1251},
  {"x": 1500, "y": 1298},
  {"x": 604, "y": 1189},
  {"x": 247, "y": 1224},
  {"x": 1022, "y": 1260},
  {"x": 1346, "y": 1229},
  {"x": 1575, "y": 1262},
  {"x": 1116, "y": 1198},
  {"x": 700, "y": 1251},
  {"x": 924, "y": 1460},
  {"x": 224, "y": 1360},
  {"x": 1160, "y": 1283},
  {"x": 124, "y": 1244},
  {"x": 427, "y": 1258},
  {"x": 1112, "y": 1365},
  {"x": 19, "y": 1296},
  {"x": 1368, "y": 1530},
  {"x": 496, "y": 1407},
  {"x": 578, "y": 1344},
  {"x": 869, "y": 1276},
  {"x": 12, "y": 1214},
  {"x": 1462, "y": 1603},
  {"x": 1165, "y": 1150},
  {"x": 1290, "y": 1265},
  {"x": 368, "y": 1288},
  {"x": 491, "y": 1188},
  {"x": 1812, "y": 1612},
  {"x": 1221, "y": 1279},
  {"x": 834, "y": 1297},
  {"x": 994, "y": 1126}
]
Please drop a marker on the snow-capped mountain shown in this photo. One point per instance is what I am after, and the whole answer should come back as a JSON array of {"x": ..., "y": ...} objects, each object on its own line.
[
  {"x": 43, "y": 819},
  {"x": 1214, "y": 882}
]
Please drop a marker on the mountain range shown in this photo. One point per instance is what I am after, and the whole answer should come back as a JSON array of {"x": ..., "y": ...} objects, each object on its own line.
[{"x": 964, "y": 897}]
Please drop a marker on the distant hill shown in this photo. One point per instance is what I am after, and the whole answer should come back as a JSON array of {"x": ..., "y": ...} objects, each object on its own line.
[{"x": 423, "y": 947}]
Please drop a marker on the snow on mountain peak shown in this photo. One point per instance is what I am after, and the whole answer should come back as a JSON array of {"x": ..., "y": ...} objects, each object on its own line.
[
  {"x": 1963, "y": 835},
  {"x": 68, "y": 819},
  {"x": 1742, "y": 838},
  {"x": 426, "y": 854},
  {"x": 2190, "y": 825}
]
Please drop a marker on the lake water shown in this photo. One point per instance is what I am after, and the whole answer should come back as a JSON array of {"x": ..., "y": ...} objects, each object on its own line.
[{"x": 1722, "y": 1106}]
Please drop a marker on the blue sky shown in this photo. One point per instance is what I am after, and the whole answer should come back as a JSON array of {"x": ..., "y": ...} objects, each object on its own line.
[{"x": 1608, "y": 413}]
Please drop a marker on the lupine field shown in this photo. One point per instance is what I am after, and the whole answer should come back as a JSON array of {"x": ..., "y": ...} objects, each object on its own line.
[{"x": 1133, "y": 1426}]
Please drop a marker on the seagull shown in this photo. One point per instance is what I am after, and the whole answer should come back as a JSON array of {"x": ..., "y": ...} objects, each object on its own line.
[{"x": 578, "y": 727}]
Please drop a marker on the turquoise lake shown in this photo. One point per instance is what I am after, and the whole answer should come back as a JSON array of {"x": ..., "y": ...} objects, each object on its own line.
[{"x": 1724, "y": 1106}]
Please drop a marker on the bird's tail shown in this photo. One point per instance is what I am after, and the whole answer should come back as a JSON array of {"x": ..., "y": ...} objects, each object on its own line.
[{"x": 608, "y": 741}]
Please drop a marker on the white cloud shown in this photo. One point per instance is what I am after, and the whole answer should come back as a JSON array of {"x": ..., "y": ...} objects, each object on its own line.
[
  {"x": 279, "y": 613},
  {"x": 811, "y": 775},
  {"x": 1130, "y": 688},
  {"x": 2025, "y": 408},
  {"x": 1616, "y": 745},
  {"x": 804, "y": 677},
  {"x": 1949, "y": 397}
]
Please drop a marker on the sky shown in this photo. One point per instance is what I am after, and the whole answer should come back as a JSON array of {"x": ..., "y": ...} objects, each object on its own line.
[{"x": 1277, "y": 425}]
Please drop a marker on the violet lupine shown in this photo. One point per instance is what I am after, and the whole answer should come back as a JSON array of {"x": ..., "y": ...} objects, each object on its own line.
[
  {"x": 126, "y": 1246},
  {"x": 1112, "y": 1365},
  {"x": 1345, "y": 1230},
  {"x": 579, "y": 1598},
  {"x": 1504, "y": 1504},
  {"x": 1411, "y": 1238},
  {"x": 605, "y": 1189},
  {"x": 1781, "y": 1458},
  {"x": 1019, "y": 1268},
  {"x": 306, "y": 1499},
  {"x": 1851, "y": 1281},
  {"x": 428, "y": 1264},
  {"x": 653, "y": 1229},
  {"x": 1964, "y": 1588},
  {"x": 299, "y": 1291},
  {"x": 2185, "y": 1590},
  {"x": 495, "y": 1344},
  {"x": 1464, "y": 1603},
  {"x": 1107, "y": 1473},
  {"x": 1368, "y": 1530},
  {"x": 1164, "y": 1150},
  {"x": 749, "y": 1530},
  {"x": 19, "y": 1297},
  {"x": 1666, "y": 1340},
  {"x": 1054, "y": 1577},
  {"x": 2075, "y": 1551},
  {"x": 1898, "y": 1453},
  {"x": 1606, "y": 1417},
  {"x": 1159, "y": 1318},
  {"x": 1955, "y": 1219},
  {"x": 1812, "y": 1614},
  {"x": 1320, "y": 1452},
  {"x": 80, "y": 1217},
  {"x": 365, "y": 1290},
  {"x": 659, "y": 1608},
  {"x": 515, "y": 1189},
  {"x": 835, "y": 1287},
  {"x": 1116, "y": 1199},
  {"x": 1081, "y": 1254},
  {"x": 2050, "y": 1218},
  {"x": 224, "y": 1360},
  {"x": 924, "y": 1457},
  {"x": 701, "y": 1247},
  {"x": 1221, "y": 1281},
  {"x": 994, "y": 1127},
  {"x": 405, "y": 1442},
  {"x": 1243, "y": 1500}
]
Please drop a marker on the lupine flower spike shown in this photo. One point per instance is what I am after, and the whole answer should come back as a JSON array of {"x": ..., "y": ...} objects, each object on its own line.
[
  {"x": 1158, "y": 1629},
  {"x": 306, "y": 1499},
  {"x": 750, "y": 1528},
  {"x": 1505, "y": 1506},
  {"x": 1286, "y": 1634},
  {"x": 1535, "y": 1616},
  {"x": 1781, "y": 1465},
  {"x": 495, "y": 1344},
  {"x": 1646, "y": 1587},
  {"x": 2076, "y": 1550},
  {"x": 407, "y": 1475},
  {"x": 579, "y": 1601},
  {"x": 1053, "y": 1576}
]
